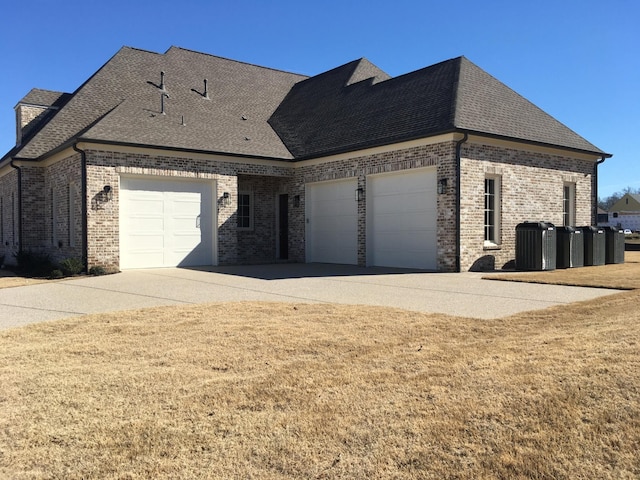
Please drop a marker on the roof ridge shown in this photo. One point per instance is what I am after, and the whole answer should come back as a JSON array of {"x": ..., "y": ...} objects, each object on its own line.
[{"x": 175, "y": 47}]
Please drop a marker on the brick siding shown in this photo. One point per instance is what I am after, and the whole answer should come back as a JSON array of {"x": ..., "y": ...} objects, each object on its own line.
[{"x": 531, "y": 189}]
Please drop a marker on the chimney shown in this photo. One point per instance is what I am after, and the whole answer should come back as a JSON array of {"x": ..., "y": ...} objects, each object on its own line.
[{"x": 27, "y": 117}]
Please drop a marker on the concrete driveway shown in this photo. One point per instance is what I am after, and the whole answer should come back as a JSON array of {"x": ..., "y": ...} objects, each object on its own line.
[{"x": 461, "y": 294}]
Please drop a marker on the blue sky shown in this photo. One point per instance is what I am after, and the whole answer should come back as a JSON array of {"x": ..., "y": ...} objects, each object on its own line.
[{"x": 579, "y": 60}]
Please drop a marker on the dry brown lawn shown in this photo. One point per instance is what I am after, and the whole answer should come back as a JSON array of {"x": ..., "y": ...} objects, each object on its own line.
[
  {"x": 275, "y": 391},
  {"x": 624, "y": 276}
]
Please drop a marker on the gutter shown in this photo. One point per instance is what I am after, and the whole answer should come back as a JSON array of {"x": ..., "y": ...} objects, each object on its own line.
[
  {"x": 595, "y": 188},
  {"x": 19, "y": 204},
  {"x": 85, "y": 220},
  {"x": 458, "y": 196}
]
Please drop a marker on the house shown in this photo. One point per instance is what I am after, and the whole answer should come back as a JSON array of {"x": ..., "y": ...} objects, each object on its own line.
[
  {"x": 184, "y": 159},
  {"x": 625, "y": 213}
]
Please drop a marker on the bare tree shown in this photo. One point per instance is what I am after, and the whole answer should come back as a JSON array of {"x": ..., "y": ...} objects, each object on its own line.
[{"x": 607, "y": 202}]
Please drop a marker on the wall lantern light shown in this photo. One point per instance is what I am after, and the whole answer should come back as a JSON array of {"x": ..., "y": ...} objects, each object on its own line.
[
  {"x": 359, "y": 194},
  {"x": 226, "y": 199},
  {"x": 442, "y": 186},
  {"x": 102, "y": 197},
  {"x": 296, "y": 201}
]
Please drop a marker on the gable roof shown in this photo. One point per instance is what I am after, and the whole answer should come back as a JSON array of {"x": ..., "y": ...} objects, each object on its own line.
[
  {"x": 628, "y": 202},
  {"x": 250, "y": 110}
]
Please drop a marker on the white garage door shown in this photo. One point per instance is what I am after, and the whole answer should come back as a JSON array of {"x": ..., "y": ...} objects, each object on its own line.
[
  {"x": 165, "y": 223},
  {"x": 402, "y": 219},
  {"x": 332, "y": 222}
]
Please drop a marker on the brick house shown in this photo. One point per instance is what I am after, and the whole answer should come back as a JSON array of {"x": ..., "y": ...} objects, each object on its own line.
[{"x": 185, "y": 158}]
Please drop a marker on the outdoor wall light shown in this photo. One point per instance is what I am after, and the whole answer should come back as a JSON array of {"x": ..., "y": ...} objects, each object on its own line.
[
  {"x": 442, "y": 186},
  {"x": 226, "y": 199},
  {"x": 296, "y": 201},
  {"x": 107, "y": 193},
  {"x": 359, "y": 194}
]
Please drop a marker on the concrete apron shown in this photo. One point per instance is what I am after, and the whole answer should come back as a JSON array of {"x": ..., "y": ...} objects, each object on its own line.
[{"x": 459, "y": 294}]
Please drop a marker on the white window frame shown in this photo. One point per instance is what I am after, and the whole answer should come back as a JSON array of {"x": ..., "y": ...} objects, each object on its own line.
[
  {"x": 569, "y": 204},
  {"x": 495, "y": 226},
  {"x": 248, "y": 195}
]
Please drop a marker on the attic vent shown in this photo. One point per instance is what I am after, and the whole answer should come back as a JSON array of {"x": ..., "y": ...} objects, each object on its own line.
[
  {"x": 161, "y": 86},
  {"x": 205, "y": 93},
  {"x": 162, "y": 97}
]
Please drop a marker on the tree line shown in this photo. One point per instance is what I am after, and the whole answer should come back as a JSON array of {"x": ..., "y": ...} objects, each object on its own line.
[{"x": 606, "y": 203}]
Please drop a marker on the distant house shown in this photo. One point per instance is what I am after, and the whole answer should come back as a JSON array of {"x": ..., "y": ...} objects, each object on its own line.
[
  {"x": 184, "y": 158},
  {"x": 625, "y": 213}
]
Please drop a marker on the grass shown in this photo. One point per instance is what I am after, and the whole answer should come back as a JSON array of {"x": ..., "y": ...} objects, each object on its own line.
[
  {"x": 276, "y": 391},
  {"x": 622, "y": 276}
]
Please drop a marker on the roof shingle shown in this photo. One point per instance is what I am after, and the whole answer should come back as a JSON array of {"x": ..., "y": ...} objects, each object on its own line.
[{"x": 256, "y": 111}]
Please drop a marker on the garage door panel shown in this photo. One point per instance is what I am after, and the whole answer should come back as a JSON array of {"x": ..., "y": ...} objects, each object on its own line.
[
  {"x": 166, "y": 223},
  {"x": 402, "y": 219},
  {"x": 332, "y": 222}
]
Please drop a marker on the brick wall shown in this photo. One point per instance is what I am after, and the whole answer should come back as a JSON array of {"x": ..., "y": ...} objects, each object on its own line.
[
  {"x": 105, "y": 168},
  {"x": 8, "y": 217},
  {"x": 27, "y": 117},
  {"x": 441, "y": 156},
  {"x": 63, "y": 209},
  {"x": 531, "y": 190}
]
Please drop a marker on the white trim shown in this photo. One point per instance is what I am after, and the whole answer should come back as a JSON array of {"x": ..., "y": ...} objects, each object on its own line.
[
  {"x": 251, "y": 210},
  {"x": 497, "y": 211}
]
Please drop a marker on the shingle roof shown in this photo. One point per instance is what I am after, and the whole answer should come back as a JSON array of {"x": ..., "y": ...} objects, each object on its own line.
[
  {"x": 121, "y": 103},
  {"x": 257, "y": 111},
  {"x": 45, "y": 98},
  {"x": 487, "y": 105},
  {"x": 325, "y": 114}
]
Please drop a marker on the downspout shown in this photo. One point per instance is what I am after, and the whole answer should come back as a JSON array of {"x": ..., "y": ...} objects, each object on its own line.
[
  {"x": 458, "y": 197},
  {"x": 85, "y": 221},
  {"x": 19, "y": 204},
  {"x": 595, "y": 189}
]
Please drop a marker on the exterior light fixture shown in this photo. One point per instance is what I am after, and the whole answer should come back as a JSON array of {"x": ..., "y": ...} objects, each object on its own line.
[
  {"x": 296, "y": 201},
  {"x": 106, "y": 194},
  {"x": 103, "y": 196},
  {"x": 359, "y": 194},
  {"x": 442, "y": 186},
  {"x": 226, "y": 199}
]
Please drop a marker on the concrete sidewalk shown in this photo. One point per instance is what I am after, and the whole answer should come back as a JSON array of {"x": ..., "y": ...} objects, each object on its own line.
[{"x": 460, "y": 294}]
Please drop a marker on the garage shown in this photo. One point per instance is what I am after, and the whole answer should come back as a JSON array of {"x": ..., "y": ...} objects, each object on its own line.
[
  {"x": 166, "y": 222},
  {"x": 402, "y": 219},
  {"x": 332, "y": 222}
]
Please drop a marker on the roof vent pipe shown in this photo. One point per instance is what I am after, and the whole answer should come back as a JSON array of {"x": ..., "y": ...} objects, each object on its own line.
[
  {"x": 162, "y": 102},
  {"x": 206, "y": 92},
  {"x": 162, "y": 80}
]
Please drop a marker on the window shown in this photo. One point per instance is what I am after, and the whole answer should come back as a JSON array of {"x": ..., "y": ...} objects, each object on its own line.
[
  {"x": 245, "y": 211},
  {"x": 72, "y": 215},
  {"x": 569, "y": 205},
  {"x": 492, "y": 211}
]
